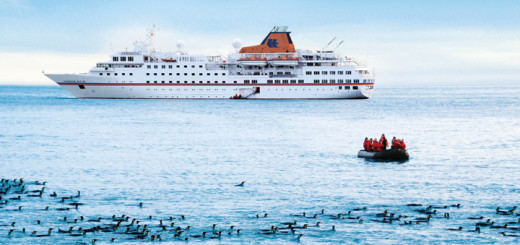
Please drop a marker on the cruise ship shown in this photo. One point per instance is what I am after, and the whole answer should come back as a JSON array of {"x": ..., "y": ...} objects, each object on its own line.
[{"x": 272, "y": 70}]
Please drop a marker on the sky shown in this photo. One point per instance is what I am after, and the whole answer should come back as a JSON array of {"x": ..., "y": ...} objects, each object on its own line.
[{"x": 406, "y": 43}]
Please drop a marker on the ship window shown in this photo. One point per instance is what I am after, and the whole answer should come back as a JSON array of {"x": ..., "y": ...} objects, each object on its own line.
[
  {"x": 162, "y": 74},
  {"x": 208, "y": 82},
  {"x": 216, "y": 74},
  {"x": 130, "y": 58},
  {"x": 349, "y": 72},
  {"x": 340, "y": 72},
  {"x": 254, "y": 81},
  {"x": 323, "y": 72},
  {"x": 170, "y": 67},
  {"x": 340, "y": 80},
  {"x": 162, "y": 81},
  {"x": 108, "y": 74},
  {"x": 81, "y": 86},
  {"x": 276, "y": 81},
  {"x": 349, "y": 81},
  {"x": 355, "y": 87},
  {"x": 178, "y": 74},
  {"x": 332, "y": 73},
  {"x": 115, "y": 58},
  {"x": 123, "y": 58},
  {"x": 185, "y": 74},
  {"x": 332, "y": 81},
  {"x": 178, "y": 81},
  {"x": 340, "y": 87},
  {"x": 170, "y": 74},
  {"x": 246, "y": 81},
  {"x": 154, "y": 81},
  {"x": 155, "y": 66},
  {"x": 170, "y": 81},
  {"x": 269, "y": 81},
  {"x": 347, "y": 87},
  {"x": 209, "y": 74},
  {"x": 192, "y": 66},
  {"x": 316, "y": 73},
  {"x": 122, "y": 74},
  {"x": 316, "y": 81},
  {"x": 293, "y": 81},
  {"x": 216, "y": 81},
  {"x": 223, "y": 74},
  {"x": 279, "y": 73},
  {"x": 155, "y": 74},
  {"x": 300, "y": 81},
  {"x": 101, "y": 74},
  {"x": 148, "y": 74},
  {"x": 200, "y": 66},
  {"x": 185, "y": 66},
  {"x": 193, "y": 74},
  {"x": 308, "y": 73},
  {"x": 223, "y": 81},
  {"x": 285, "y": 81},
  {"x": 200, "y": 81},
  {"x": 185, "y": 81},
  {"x": 163, "y": 66},
  {"x": 148, "y": 66},
  {"x": 356, "y": 80},
  {"x": 178, "y": 66},
  {"x": 147, "y": 81},
  {"x": 234, "y": 81},
  {"x": 192, "y": 81}
]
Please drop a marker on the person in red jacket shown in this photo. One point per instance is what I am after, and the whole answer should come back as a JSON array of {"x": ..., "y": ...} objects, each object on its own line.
[
  {"x": 402, "y": 145},
  {"x": 365, "y": 144},
  {"x": 383, "y": 142},
  {"x": 394, "y": 143},
  {"x": 376, "y": 146}
]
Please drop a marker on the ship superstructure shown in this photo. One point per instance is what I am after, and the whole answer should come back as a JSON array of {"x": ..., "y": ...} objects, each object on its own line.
[{"x": 272, "y": 70}]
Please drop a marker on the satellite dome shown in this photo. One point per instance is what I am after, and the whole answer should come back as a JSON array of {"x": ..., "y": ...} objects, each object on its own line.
[
  {"x": 180, "y": 45},
  {"x": 237, "y": 43}
]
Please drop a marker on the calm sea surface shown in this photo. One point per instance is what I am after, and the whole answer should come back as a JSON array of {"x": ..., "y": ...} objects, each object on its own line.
[{"x": 184, "y": 157}]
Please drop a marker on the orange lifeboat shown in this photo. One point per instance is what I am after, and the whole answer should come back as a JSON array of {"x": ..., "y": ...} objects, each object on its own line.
[{"x": 169, "y": 60}]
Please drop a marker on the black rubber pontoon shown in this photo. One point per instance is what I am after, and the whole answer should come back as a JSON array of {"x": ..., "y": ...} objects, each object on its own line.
[{"x": 390, "y": 154}]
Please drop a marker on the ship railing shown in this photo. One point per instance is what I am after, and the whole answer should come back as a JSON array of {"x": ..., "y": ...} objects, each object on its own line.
[
  {"x": 130, "y": 53},
  {"x": 216, "y": 66},
  {"x": 266, "y": 56},
  {"x": 282, "y": 75}
]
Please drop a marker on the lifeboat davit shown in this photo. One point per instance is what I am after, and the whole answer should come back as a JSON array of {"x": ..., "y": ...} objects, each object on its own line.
[
  {"x": 254, "y": 61},
  {"x": 284, "y": 60},
  {"x": 385, "y": 155}
]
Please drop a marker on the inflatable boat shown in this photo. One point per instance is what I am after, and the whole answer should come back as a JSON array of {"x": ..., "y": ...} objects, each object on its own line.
[{"x": 390, "y": 154}]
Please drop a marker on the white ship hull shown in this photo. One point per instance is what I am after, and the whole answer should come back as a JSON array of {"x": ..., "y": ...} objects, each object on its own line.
[{"x": 84, "y": 88}]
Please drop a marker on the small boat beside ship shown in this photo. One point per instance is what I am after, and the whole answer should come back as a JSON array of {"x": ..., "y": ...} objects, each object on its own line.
[
  {"x": 390, "y": 154},
  {"x": 376, "y": 149}
]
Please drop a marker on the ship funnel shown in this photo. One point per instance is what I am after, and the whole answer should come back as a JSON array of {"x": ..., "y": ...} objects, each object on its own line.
[{"x": 277, "y": 41}]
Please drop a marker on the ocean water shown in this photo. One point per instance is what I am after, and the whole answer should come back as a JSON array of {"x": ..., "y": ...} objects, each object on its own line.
[{"x": 184, "y": 157}]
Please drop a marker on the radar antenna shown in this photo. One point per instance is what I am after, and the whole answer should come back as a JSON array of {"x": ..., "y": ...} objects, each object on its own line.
[
  {"x": 151, "y": 32},
  {"x": 328, "y": 44},
  {"x": 337, "y": 46}
]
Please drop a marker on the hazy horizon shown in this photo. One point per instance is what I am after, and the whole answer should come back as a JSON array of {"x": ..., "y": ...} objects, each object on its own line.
[{"x": 407, "y": 43}]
